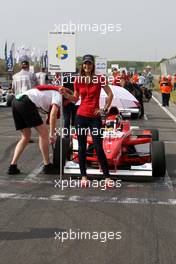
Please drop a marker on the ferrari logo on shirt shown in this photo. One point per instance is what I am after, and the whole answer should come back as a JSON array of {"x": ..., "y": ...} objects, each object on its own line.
[{"x": 62, "y": 52}]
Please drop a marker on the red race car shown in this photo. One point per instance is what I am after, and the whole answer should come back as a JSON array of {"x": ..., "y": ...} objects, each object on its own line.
[{"x": 129, "y": 151}]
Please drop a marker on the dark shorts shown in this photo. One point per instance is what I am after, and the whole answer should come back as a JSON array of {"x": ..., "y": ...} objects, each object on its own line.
[{"x": 25, "y": 113}]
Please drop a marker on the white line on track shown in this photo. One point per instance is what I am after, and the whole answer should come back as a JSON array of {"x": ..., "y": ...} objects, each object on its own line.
[
  {"x": 16, "y": 137},
  {"x": 88, "y": 199},
  {"x": 145, "y": 117},
  {"x": 134, "y": 127},
  {"x": 170, "y": 142},
  {"x": 168, "y": 182},
  {"x": 4, "y": 136},
  {"x": 32, "y": 176},
  {"x": 168, "y": 179},
  {"x": 165, "y": 109}
]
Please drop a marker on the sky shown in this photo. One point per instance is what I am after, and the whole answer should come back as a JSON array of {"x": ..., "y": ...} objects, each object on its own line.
[{"x": 147, "y": 27}]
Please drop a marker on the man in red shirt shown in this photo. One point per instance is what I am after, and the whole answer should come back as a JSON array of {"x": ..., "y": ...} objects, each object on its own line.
[{"x": 116, "y": 77}]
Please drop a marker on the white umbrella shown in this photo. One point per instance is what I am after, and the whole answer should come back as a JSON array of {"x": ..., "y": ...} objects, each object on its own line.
[{"x": 122, "y": 99}]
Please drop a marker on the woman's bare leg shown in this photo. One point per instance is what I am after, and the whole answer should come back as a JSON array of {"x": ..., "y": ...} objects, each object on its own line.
[
  {"x": 25, "y": 136},
  {"x": 43, "y": 142}
]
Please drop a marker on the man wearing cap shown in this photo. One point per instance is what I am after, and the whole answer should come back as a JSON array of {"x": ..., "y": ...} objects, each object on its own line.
[{"x": 24, "y": 79}]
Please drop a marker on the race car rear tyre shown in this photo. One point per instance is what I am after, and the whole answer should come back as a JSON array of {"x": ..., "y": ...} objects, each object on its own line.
[
  {"x": 56, "y": 152},
  {"x": 134, "y": 115},
  {"x": 158, "y": 159},
  {"x": 155, "y": 134}
]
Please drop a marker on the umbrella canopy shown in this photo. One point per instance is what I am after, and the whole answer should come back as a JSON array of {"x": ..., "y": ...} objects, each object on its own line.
[{"x": 122, "y": 99}]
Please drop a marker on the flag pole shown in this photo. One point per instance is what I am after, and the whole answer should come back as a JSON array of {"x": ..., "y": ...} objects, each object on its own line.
[{"x": 61, "y": 132}]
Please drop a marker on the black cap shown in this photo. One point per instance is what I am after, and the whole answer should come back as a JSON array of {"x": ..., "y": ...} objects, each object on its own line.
[
  {"x": 24, "y": 59},
  {"x": 89, "y": 58}
]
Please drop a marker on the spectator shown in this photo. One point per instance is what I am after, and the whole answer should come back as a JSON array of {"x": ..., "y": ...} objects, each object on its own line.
[
  {"x": 116, "y": 77},
  {"x": 57, "y": 79},
  {"x": 166, "y": 88},
  {"x": 174, "y": 81},
  {"x": 42, "y": 77},
  {"x": 141, "y": 80},
  {"x": 141, "y": 83},
  {"x": 134, "y": 88},
  {"x": 23, "y": 80},
  {"x": 149, "y": 81},
  {"x": 124, "y": 79}
]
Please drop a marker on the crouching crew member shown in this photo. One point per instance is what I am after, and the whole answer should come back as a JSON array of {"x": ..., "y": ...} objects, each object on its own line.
[{"x": 25, "y": 108}]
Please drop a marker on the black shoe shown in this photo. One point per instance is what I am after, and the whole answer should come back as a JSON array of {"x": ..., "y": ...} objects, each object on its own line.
[
  {"x": 49, "y": 169},
  {"x": 31, "y": 141},
  {"x": 13, "y": 170}
]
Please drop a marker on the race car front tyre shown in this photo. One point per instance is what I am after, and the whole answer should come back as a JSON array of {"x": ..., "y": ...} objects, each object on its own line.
[
  {"x": 158, "y": 159},
  {"x": 56, "y": 152}
]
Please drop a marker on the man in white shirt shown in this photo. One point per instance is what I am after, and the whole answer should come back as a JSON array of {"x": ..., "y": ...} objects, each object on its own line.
[
  {"x": 149, "y": 80},
  {"x": 141, "y": 80},
  {"x": 42, "y": 77},
  {"x": 23, "y": 80}
]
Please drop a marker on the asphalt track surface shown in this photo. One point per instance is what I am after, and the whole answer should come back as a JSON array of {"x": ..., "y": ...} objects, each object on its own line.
[{"x": 33, "y": 211}]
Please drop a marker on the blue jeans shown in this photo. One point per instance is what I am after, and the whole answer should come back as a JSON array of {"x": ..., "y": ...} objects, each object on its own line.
[
  {"x": 94, "y": 124},
  {"x": 165, "y": 99}
]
